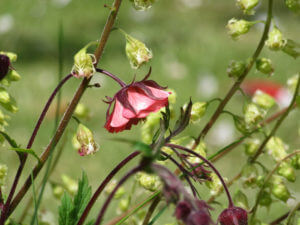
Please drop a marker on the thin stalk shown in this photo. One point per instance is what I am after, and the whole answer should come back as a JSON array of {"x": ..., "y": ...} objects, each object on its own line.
[
  {"x": 34, "y": 200},
  {"x": 118, "y": 80},
  {"x": 237, "y": 84},
  {"x": 277, "y": 125},
  {"x": 103, "y": 185},
  {"x": 66, "y": 117},
  {"x": 151, "y": 210},
  {"x": 110, "y": 197},
  {"x": 210, "y": 165},
  {"x": 158, "y": 215}
]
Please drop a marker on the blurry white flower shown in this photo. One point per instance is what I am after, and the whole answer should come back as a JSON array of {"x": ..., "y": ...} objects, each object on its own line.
[
  {"x": 207, "y": 85},
  {"x": 6, "y": 23}
]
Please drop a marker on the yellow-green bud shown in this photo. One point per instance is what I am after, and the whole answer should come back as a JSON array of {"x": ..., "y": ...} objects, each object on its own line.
[
  {"x": 247, "y": 6},
  {"x": 83, "y": 64},
  {"x": 265, "y": 199},
  {"x": 70, "y": 184},
  {"x": 201, "y": 149},
  {"x": 263, "y": 100},
  {"x": 110, "y": 187},
  {"x": 142, "y": 5},
  {"x": 293, "y": 5},
  {"x": 275, "y": 40},
  {"x": 3, "y": 174},
  {"x": 236, "y": 68},
  {"x": 279, "y": 190},
  {"x": 238, "y": 27},
  {"x": 12, "y": 56},
  {"x": 276, "y": 148},
  {"x": 198, "y": 111},
  {"x": 57, "y": 191},
  {"x": 124, "y": 204},
  {"x": 292, "y": 82},
  {"x": 240, "y": 199},
  {"x": 4, "y": 96},
  {"x": 287, "y": 171},
  {"x": 150, "y": 182},
  {"x": 249, "y": 175},
  {"x": 81, "y": 111},
  {"x": 137, "y": 52},
  {"x": 295, "y": 161},
  {"x": 253, "y": 114},
  {"x": 85, "y": 138},
  {"x": 264, "y": 65},
  {"x": 251, "y": 146},
  {"x": 215, "y": 185},
  {"x": 172, "y": 97},
  {"x": 240, "y": 124},
  {"x": 260, "y": 180},
  {"x": 13, "y": 76}
]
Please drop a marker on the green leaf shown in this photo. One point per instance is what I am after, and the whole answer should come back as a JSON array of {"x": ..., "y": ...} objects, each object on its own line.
[
  {"x": 28, "y": 151},
  {"x": 10, "y": 140},
  {"x": 65, "y": 210},
  {"x": 142, "y": 147}
]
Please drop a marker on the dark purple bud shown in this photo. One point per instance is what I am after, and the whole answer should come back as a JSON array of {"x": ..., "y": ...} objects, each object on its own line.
[
  {"x": 4, "y": 65},
  {"x": 199, "y": 217},
  {"x": 234, "y": 216},
  {"x": 183, "y": 209}
]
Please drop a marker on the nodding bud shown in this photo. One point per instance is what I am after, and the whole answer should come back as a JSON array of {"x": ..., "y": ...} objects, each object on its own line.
[
  {"x": 293, "y": 5},
  {"x": 276, "y": 148},
  {"x": 3, "y": 174},
  {"x": 278, "y": 189},
  {"x": 247, "y": 6},
  {"x": 295, "y": 161},
  {"x": 83, "y": 64},
  {"x": 150, "y": 182},
  {"x": 251, "y": 146},
  {"x": 292, "y": 82},
  {"x": 263, "y": 100},
  {"x": 237, "y": 28},
  {"x": 265, "y": 199},
  {"x": 233, "y": 216},
  {"x": 253, "y": 114},
  {"x": 137, "y": 52},
  {"x": 264, "y": 65},
  {"x": 183, "y": 209},
  {"x": 198, "y": 111},
  {"x": 236, "y": 68},
  {"x": 85, "y": 139},
  {"x": 286, "y": 170},
  {"x": 4, "y": 65},
  {"x": 142, "y": 5},
  {"x": 275, "y": 40}
]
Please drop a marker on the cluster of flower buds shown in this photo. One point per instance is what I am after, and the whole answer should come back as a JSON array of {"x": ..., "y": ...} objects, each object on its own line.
[
  {"x": 3, "y": 174},
  {"x": 265, "y": 66},
  {"x": 237, "y": 28},
  {"x": 136, "y": 51},
  {"x": 84, "y": 63},
  {"x": 236, "y": 68},
  {"x": 110, "y": 187},
  {"x": 279, "y": 189},
  {"x": 275, "y": 40},
  {"x": 247, "y": 6},
  {"x": 84, "y": 142},
  {"x": 142, "y": 5},
  {"x": 150, "y": 182}
]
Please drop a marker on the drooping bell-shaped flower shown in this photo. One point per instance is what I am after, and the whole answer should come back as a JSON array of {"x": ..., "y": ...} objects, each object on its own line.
[{"x": 233, "y": 216}]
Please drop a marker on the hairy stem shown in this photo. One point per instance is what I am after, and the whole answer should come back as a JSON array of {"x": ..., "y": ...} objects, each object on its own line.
[
  {"x": 237, "y": 84},
  {"x": 103, "y": 185}
]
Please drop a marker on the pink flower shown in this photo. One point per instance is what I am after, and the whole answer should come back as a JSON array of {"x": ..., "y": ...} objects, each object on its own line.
[{"x": 133, "y": 103}]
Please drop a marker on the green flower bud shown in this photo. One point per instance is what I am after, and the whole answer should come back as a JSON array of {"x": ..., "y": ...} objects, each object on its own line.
[
  {"x": 292, "y": 82},
  {"x": 236, "y": 68},
  {"x": 81, "y": 111},
  {"x": 251, "y": 146},
  {"x": 264, "y": 65},
  {"x": 293, "y": 5},
  {"x": 260, "y": 181},
  {"x": 292, "y": 48},
  {"x": 287, "y": 171},
  {"x": 279, "y": 190},
  {"x": 249, "y": 175},
  {"x": 57, "y": 191},
  {"x": 276, "y": 148},
  {"x": 70, "y": 184},
  {"x": 237, "y": 28},
  {"x": 247, "y": 6},
  {"x": 85, "y": 138},
  {"x": 4, "y": 96},
  {"x": 142, "y": 5},
  {"x": 214, "y": 185},
  {"x": 12, "y": 75},
  {"x": 3, "y": 174},
  {"x": 265, "y": 199},
  {"x": 124, "y": 204},
  {"x": 198, "y": 110},
  {"x": 12, "y": 56},
  {"x": 295, "y": 161},
  {"x": 110, "y": 187},
  {"x": 137, "y": 52},
  {"x": 150, "y": 182},
  {"x": 275, "y": 40},
  {"x": 263, "y": 100},
  {"x": 253, "y": 114},
  {"x": 83, "y": 63},
  {"x": 240, "y": 200}
]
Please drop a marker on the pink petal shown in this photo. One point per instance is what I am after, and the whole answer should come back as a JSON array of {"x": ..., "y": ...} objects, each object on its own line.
[{"x": 116, "y": 122}]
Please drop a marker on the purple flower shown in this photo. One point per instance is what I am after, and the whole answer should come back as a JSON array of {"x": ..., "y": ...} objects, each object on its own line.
[{"x": 4, "y": 65}]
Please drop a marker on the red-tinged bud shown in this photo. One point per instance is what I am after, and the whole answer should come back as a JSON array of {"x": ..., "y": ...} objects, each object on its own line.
[
  {"x": 182, "y": 210},
  {"x": 199, "y": 217},
  {"x": 4, "y": 65},
  {"x": 234, "y": 216}
]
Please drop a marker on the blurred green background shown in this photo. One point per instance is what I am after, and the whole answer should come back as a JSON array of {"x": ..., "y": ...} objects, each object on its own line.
[{"x": 191, "y": 50}]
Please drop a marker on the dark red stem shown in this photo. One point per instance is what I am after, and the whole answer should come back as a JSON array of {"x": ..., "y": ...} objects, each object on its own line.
[{"x": 118, "y": 80}]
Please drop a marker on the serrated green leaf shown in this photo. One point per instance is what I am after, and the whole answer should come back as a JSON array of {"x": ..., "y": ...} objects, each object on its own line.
[
  {"x": 65, "y": 210},
  {"x": 28, "y": 151}
]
